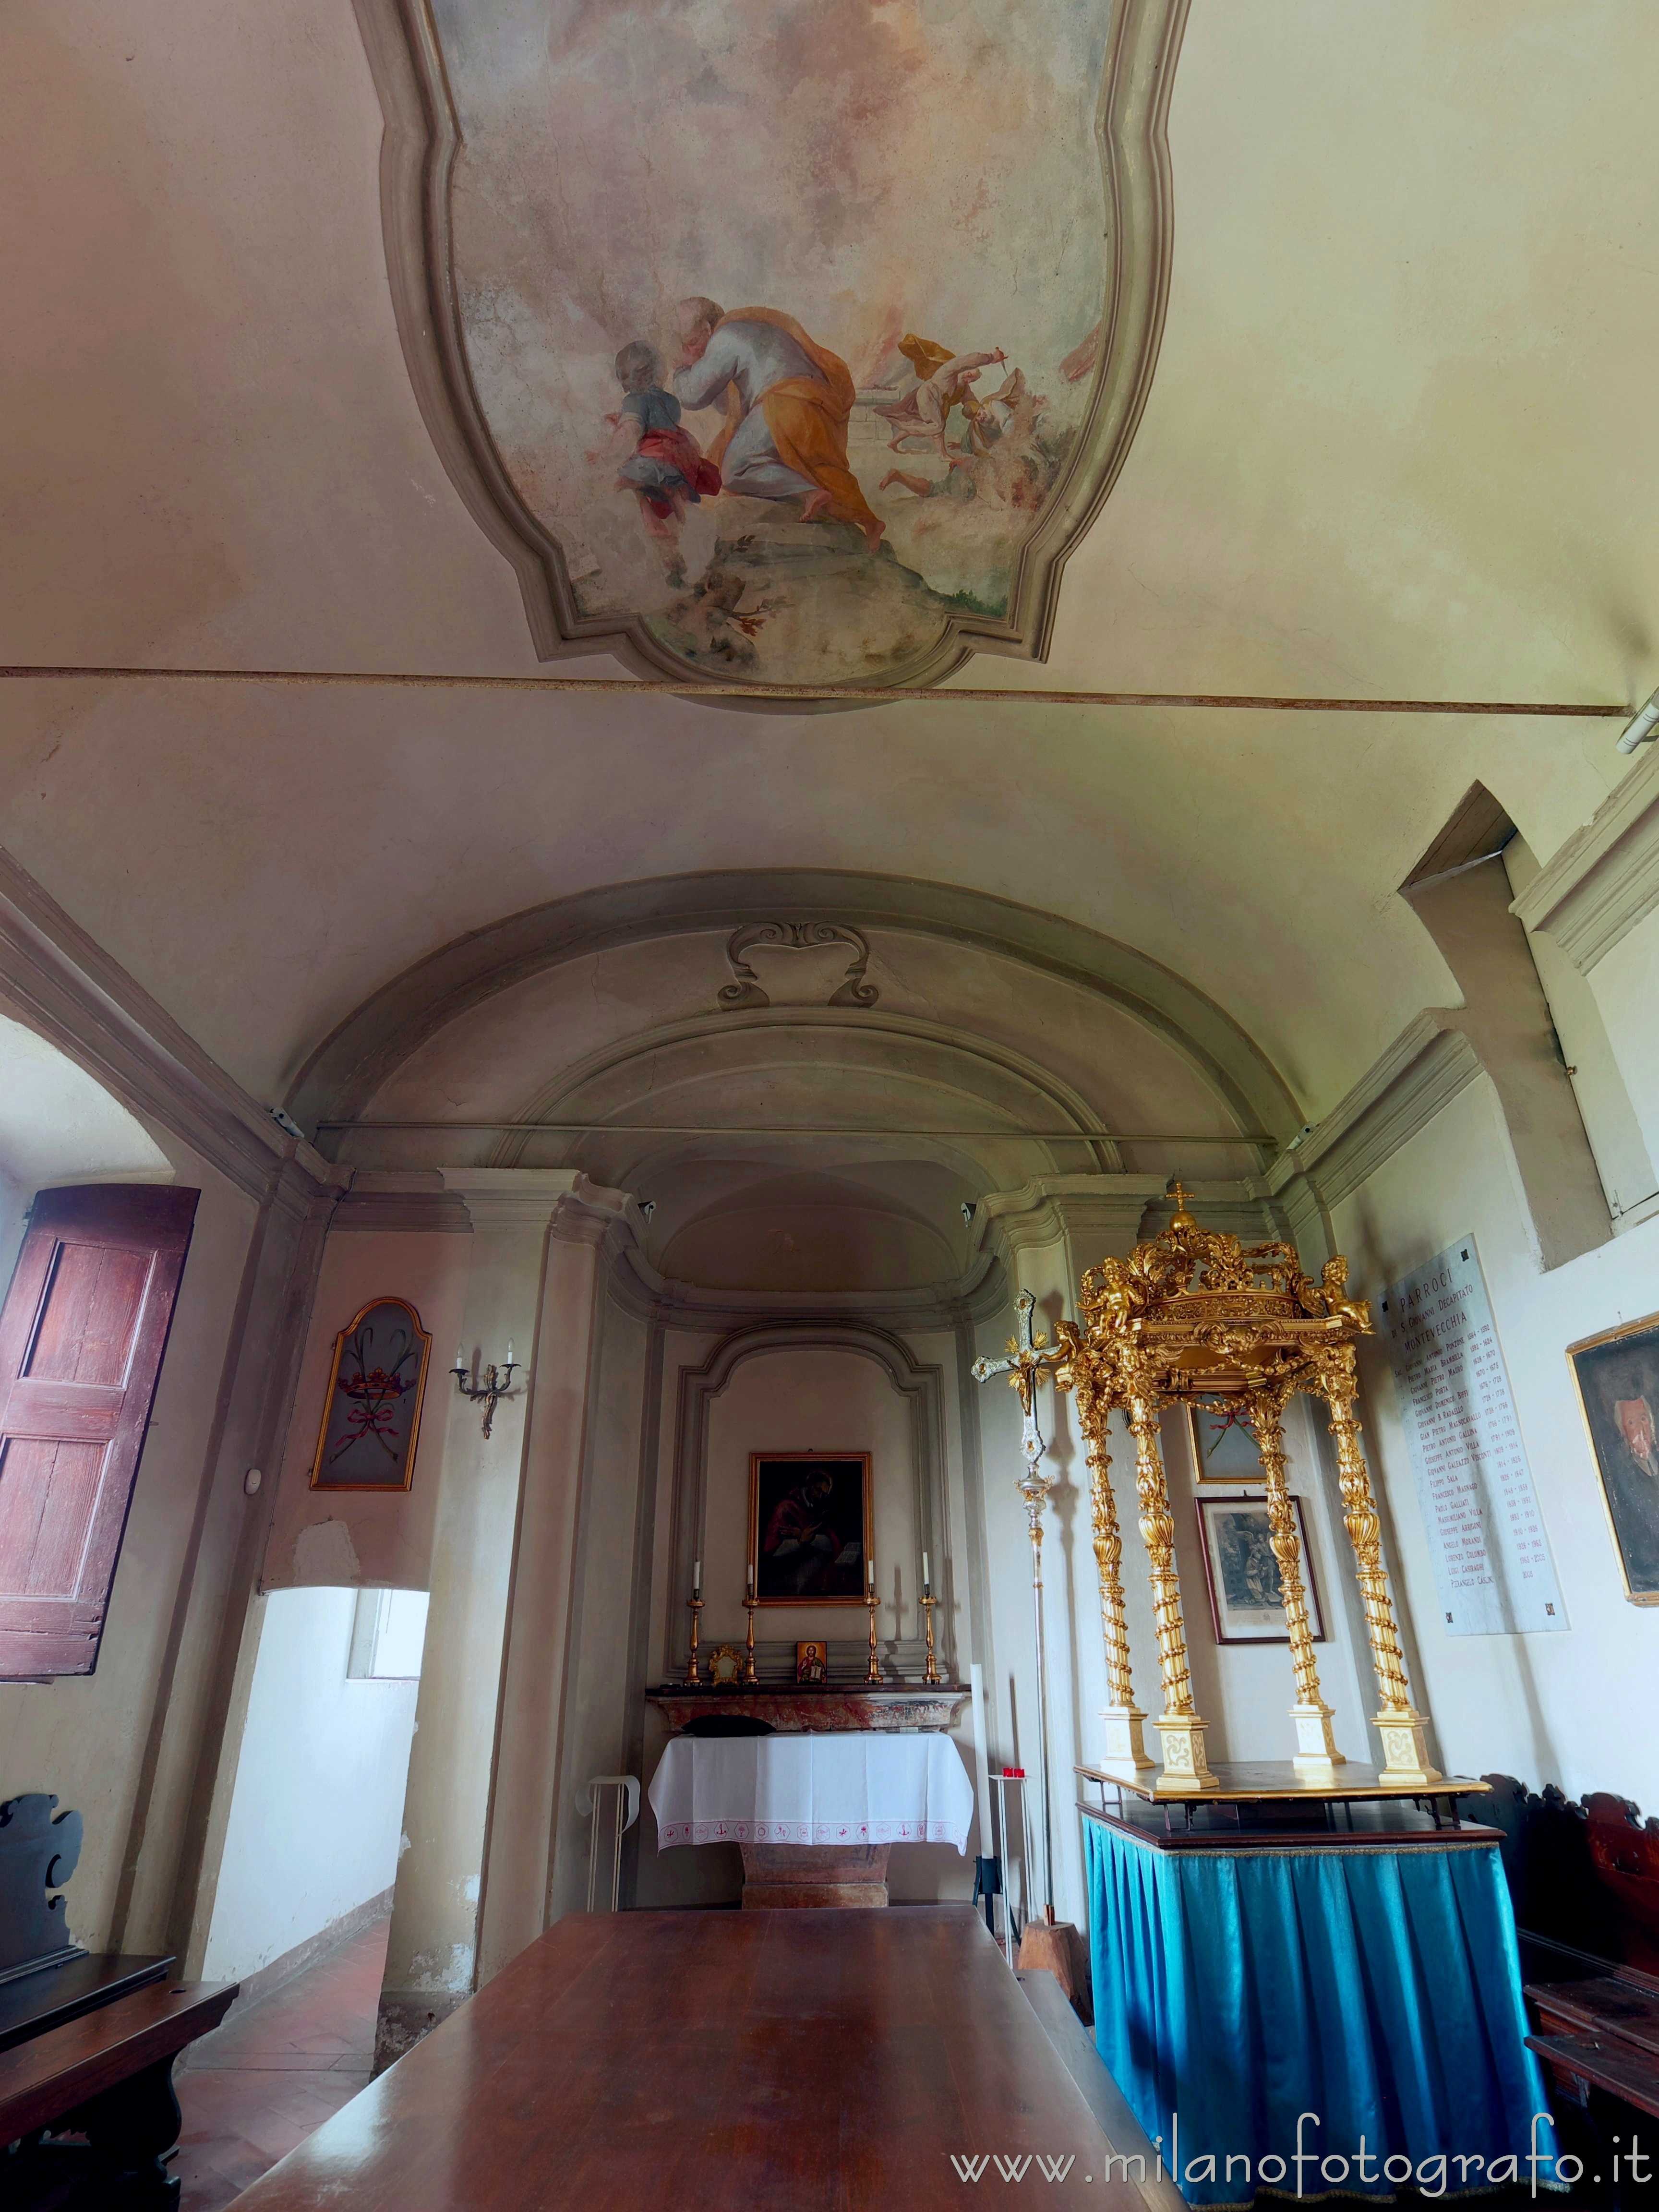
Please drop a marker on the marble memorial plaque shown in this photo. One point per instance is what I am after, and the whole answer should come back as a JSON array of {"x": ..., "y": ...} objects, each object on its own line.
[{"x": 1491, "y": 1559}]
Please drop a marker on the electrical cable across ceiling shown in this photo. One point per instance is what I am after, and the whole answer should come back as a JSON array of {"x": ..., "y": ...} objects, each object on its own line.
[{"x": 854, "y": 694}]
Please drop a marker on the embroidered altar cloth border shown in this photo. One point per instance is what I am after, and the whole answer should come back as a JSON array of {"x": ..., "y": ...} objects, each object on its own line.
[{"x": 848, "y": 1787}]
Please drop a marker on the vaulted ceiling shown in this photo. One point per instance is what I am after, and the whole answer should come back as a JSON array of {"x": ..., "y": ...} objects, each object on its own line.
[{"x": 1397, "y": 442}]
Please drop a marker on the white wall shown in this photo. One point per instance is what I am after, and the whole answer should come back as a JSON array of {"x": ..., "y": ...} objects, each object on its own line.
[
  {"x": 1575, "y": 1709},
  {"x": 317, "y": 1805}
]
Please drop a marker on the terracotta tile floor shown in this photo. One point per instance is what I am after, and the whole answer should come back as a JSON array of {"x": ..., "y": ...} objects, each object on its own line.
[{"x": 259, "y": 2086}]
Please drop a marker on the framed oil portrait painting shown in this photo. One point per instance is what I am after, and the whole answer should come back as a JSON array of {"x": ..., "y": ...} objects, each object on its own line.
[
  {"x": 1618, "y": 1378},
  {"x": 1223, "y": 1445},
  {"x": 809, "y": 1527},
  {"x": 372, "y": 1414},
  {"x": 1246, "y": 1603}
]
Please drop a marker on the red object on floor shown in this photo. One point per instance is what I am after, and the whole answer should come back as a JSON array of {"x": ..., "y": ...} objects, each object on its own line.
[{"x": 257, "y": 2086}]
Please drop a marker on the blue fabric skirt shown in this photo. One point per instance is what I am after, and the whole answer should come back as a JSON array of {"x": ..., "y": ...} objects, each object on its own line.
[{"x": 1370, "y": 1994}]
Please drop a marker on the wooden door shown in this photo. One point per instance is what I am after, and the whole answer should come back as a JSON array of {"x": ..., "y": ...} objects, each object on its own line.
[{"x": 82, "y": 1334}]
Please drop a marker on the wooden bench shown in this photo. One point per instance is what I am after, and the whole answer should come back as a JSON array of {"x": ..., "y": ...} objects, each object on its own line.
[
  {"x": 105, "y": 2075},
  {"x": 87, "y": 2045},
  {"x": 1600, "y": 2033},
  {"x": 1578, "y": 2063}
]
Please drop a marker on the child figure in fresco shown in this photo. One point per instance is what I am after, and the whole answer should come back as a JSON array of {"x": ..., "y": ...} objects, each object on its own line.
[{"x": 662, "y": 464}]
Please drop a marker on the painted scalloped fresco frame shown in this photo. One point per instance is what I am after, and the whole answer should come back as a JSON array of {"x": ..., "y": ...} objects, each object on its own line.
[{"x": 418, "y": 152}]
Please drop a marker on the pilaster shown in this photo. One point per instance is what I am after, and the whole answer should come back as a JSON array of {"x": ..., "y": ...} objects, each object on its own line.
[{"x": 474, "y": 1708}]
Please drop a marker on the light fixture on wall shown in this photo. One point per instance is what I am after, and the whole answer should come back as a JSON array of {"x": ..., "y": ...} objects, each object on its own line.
[
  {"x": 1643, "y": 728},
  {"x": 497, "y": 1385}
]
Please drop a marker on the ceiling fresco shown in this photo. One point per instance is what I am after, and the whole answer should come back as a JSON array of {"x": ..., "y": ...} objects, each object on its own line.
[{"x": 796, "y": 343}]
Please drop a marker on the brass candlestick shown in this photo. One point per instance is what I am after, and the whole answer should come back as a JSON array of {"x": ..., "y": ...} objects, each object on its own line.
[
  {"x": 693, "y": 1672},
  {"x": 931, "y": 1673},
  {"x": 875, "y": 1663},
  {"x": 749, "y": 1677}
]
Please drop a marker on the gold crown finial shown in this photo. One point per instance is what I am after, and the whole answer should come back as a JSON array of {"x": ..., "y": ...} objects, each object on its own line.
[{"x": 1181, "y": 1219}]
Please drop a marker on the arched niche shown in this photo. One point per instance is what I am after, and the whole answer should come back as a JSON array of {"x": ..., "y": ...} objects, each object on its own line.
[{"x": 919, "y": 1387}]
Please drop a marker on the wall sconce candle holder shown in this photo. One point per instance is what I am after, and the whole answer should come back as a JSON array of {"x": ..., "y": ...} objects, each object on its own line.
[{"x": 497, "y": 1382}]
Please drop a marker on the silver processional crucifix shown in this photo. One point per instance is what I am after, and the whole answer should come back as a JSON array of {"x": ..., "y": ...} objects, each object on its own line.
[{"x": 1029, "y": 1357}]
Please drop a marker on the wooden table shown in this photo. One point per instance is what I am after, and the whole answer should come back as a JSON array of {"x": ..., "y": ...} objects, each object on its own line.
[{"x": 791, "y": 2061}]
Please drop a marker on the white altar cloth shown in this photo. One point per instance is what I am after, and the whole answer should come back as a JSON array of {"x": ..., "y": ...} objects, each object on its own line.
[{"x": 840, "y": 1787}]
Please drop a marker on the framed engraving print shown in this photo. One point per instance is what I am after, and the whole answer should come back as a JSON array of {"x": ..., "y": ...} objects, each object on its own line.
[
  {"x": 809, "y": 1527},
  {"x": 1246, "y": 1604},
  {"x": 1618, "y": 1378},
  {"x": 372, "y": 1414},
  {"x": 1223, "y": 1445}
]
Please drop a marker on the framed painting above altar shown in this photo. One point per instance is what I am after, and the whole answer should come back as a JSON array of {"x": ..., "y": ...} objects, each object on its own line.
[{"x": 809, "y": 1527}]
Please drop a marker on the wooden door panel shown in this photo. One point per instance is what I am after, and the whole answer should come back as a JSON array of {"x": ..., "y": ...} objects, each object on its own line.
[
  {"x": 91, "y": 1317},
  {"x": 82, "y": 1331},
  {"x": 47, "y": 1494},
  {"x": 89, "y": 1415}
]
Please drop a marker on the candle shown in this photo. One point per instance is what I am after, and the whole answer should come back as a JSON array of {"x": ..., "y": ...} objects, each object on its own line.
[
  {"x": 872, "y": 1574},
  {"x": 926, "y": 1579},
  {"x": 751, "y": 1582},
  {"x": 460, "y": 1359},
  {"x": 696, "y": 1580},
  {"x": 510, "y": 1359}
]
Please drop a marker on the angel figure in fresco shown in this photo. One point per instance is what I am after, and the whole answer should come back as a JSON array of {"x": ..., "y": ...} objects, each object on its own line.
[
  {"x": 946, "y": 380},
  {"x": 657, "y": 461},
  {"x": 787, "y": 402}
]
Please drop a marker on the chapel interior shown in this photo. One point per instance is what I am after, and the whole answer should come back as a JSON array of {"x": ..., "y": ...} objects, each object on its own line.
[{"x": 832, "y": 1212}]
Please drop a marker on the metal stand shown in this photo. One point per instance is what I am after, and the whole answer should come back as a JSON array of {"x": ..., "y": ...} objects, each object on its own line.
[
  {"x": 874, "y": 1674},
  {"x": 626, "y": 1811},
  {"x": 749, "y": 1677},
  {"x": 1002, "y": 1783},
  {"x": 694, "y": 1672}
]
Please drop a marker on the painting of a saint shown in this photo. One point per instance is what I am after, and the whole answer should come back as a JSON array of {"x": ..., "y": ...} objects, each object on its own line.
[
  {"x": 913, "y": 196},
  {"x": 1246, "y": 1591},
  {"x": 1618, "y": 1378},
  {"x": 809, "y": 1515}
]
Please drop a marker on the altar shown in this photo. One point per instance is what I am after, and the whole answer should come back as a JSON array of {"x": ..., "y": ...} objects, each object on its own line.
[{"x": 815, "y": 1814}]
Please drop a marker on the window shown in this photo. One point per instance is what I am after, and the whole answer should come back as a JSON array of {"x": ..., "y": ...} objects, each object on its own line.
[
  {"x": 387, "y": 1635},
  {"x": 82, "y": 1331}
]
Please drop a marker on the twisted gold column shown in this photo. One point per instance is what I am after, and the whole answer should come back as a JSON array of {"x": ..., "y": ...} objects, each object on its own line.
[
  {"x": 1405, "y": 1747},
  {"x": 1316, "y": 1751},
  {"x": 1186, "y": 1770},
  {"x": 1125, "y": 1721}
]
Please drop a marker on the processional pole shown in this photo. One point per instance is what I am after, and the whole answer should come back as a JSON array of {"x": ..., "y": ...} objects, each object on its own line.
[{"x": 1022, "y": 1366}]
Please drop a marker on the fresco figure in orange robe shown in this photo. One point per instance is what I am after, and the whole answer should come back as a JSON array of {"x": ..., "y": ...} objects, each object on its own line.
[{"x": 787, "y": 402}]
